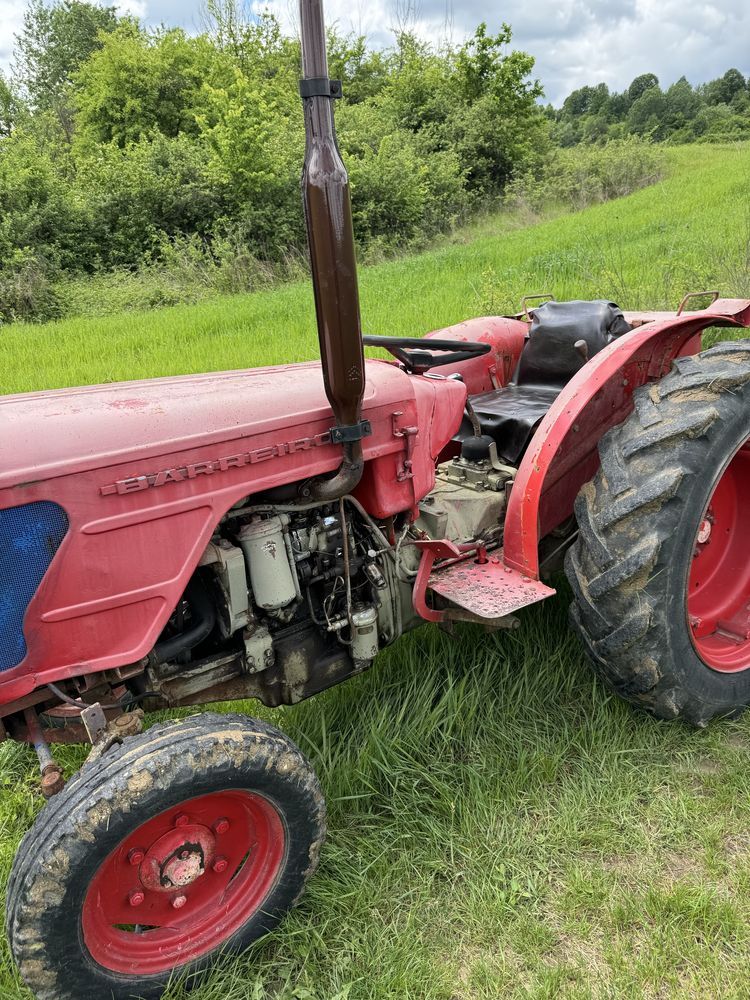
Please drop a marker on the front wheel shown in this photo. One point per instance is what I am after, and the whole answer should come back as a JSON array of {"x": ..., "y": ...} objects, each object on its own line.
[
  {"x": 661, "y": 568},
  {"x": 189, "y": 841}
]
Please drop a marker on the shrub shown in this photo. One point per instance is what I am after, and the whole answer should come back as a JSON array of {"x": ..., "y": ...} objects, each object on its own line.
[{"x": 577, "y": 177}]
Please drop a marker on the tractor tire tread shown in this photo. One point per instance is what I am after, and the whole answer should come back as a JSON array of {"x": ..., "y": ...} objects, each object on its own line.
[{"x": 649, "y": 465}]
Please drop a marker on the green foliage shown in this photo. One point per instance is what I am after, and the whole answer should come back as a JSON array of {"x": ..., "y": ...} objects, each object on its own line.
[
  {"x": 718, "y": 111},
  {"x": 10, "y": 107},
  {"x": 140, "y": 140},
  {"x": 55, "y": 40},
  {"x": 141, "y": 84},
  {"x": 577, "y": 178}
]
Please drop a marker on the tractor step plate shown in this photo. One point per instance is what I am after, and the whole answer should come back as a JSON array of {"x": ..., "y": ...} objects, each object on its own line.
[{"x": 488, "y": 590}]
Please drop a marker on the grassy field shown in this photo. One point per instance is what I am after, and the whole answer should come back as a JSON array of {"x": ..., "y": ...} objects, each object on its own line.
[{"x": 500, "y": 826}]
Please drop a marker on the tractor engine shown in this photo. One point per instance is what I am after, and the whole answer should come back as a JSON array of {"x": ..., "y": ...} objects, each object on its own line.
[
  {"x": 285, "y": 603},
  {"x": 288, "y": 601}
]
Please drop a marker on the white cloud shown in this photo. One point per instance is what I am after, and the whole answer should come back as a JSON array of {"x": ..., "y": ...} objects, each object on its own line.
[
  {"x": 575, "y": 42},
  {"x": 11, "y": 17},
  {"x": 138, "y": 8}
]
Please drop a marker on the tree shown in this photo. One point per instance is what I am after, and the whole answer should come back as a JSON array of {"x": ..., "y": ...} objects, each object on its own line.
[
  {"x": 8, "y": 107},
  {"x": 723, "y": 90},
  {"x": 682, "y": 104},
  {"x": 585, "y": 101},
  {"x": 646, "y": 115},
  {"x": 641, "y": 84},
  {"x": 138, "y": 83},
  {"x": 53, "y": 44}
]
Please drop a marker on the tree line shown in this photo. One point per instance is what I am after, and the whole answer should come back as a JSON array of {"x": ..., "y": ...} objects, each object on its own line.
[
  {"x": 717, "y": 111},
  {"x": 127, "y": 151}
]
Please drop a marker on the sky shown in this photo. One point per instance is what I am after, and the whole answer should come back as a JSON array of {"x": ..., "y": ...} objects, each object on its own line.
[{"x": 575, "y": 42}]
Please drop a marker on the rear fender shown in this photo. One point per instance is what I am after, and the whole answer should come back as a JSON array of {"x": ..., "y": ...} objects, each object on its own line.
[{"x": 563, "y": 453}]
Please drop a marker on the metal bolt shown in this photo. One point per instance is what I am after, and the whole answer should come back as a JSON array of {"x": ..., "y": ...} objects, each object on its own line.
[
  {"x": 181, "y": 820},
  {"x": 178, "y": 902},
  {"x": 221, "y": 826},
  {"x": 220, "y": 865},
  {"x": 52, "y": 780},
  {"x": 136, "y": 897},
  {"x": 136, "y": 856}
]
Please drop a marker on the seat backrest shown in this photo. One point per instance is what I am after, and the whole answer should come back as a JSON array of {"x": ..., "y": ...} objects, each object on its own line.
[{"x": 549, "y": 356}]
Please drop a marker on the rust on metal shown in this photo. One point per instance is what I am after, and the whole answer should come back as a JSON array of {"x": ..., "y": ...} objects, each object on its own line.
[{"x": 490, "y": 589}]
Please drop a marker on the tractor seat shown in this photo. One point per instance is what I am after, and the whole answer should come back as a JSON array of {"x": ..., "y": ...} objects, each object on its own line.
[{"x": 562, "y": 337}]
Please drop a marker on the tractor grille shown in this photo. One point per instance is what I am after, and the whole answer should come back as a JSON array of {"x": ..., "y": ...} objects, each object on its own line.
[{"x": 29, "y": 538}]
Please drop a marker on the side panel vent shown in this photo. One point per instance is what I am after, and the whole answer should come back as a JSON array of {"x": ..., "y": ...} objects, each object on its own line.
[{"x": 29, "y": 538}]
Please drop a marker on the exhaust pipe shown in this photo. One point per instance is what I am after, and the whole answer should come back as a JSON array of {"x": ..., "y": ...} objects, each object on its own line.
[{"x": 330, "y": 234}]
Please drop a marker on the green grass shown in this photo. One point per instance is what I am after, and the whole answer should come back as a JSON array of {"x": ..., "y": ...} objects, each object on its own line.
[
  {"x": 688, "y": 232},
  {"x": 500, "y": 826}
]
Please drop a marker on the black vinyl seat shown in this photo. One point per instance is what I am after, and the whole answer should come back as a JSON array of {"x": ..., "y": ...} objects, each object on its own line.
[{"x": 562, "y": 337}]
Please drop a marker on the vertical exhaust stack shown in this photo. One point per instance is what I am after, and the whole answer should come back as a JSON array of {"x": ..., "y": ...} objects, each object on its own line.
[{"x": 330, "y": 233}]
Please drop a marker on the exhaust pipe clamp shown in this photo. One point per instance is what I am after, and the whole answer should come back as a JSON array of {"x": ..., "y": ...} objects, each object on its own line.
[
  {"x": 351, "y": 432},
  {"x": 320, "y": 86}
]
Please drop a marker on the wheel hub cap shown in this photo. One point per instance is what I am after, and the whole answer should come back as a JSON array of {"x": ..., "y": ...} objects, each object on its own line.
[
  {"x": 178, "y": 859},
  {"x": 183, "y": 882}
]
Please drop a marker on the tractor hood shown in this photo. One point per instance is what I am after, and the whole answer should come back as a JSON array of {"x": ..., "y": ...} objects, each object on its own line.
[
  {"x": 134, "y": 427},
  {"x": 49, "y": 434},
  {"x": 111, "y": 493}
]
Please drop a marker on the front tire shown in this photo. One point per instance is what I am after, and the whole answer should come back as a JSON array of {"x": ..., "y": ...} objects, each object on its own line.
[
  {"x": 661, "y": 567},
  {"x": 188, "y": 841}
]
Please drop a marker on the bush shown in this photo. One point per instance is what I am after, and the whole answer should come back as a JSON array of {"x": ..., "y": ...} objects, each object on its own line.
[
  {"x": 581, "y": 176},
  {"x": 27, "y": 289}
]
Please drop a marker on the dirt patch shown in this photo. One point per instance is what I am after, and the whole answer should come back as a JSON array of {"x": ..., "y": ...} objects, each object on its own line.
[{"x": 737, "y": 845}]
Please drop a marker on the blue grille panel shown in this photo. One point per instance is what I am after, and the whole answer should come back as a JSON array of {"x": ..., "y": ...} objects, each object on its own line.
[{"x": 29, "y": 538}]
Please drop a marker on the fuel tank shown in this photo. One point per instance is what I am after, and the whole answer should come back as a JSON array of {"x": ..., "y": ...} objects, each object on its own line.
[{"x": 109, "y": 494}]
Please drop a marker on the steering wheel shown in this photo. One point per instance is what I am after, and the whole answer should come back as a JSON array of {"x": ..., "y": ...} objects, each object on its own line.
[{"x": 415, "y": 354}]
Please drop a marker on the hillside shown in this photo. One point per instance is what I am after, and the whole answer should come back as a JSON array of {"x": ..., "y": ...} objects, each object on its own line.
[
  {"x": 500, "y": 826},
  {"x": 688, "y": 232}
]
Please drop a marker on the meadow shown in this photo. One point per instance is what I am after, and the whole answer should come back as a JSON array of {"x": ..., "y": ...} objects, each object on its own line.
[{"x": 499, "y": 824}]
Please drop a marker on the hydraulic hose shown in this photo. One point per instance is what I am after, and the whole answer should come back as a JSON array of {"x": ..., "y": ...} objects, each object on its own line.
[{"x": 204, "y": 614}]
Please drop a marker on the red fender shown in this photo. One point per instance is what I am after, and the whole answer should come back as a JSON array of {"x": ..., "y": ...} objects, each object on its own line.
[{"x": 563, "y": 453}]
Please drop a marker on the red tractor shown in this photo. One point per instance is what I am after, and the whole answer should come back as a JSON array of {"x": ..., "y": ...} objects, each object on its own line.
[{"x": 264, "y": 533}]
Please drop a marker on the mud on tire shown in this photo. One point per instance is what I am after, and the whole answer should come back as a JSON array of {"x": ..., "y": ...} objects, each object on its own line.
[
  {"x": 638, "y": 521},
  {"x": 86, "y": 825}
]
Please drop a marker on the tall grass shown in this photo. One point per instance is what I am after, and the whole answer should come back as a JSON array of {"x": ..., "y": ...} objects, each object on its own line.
[
  {"x": 687, "y": 232},
  {"x": 500, "y": 826}
]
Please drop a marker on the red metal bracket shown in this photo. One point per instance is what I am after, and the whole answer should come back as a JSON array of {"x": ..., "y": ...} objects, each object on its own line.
[
  {"x": 409, "y": 434},
  {"x": 431, "y": 550}
]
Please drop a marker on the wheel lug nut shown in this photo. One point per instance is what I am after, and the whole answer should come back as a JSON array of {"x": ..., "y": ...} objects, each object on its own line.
[
  {"x": 136, "y": 897},
  {"x": 221, "y": 826},
  {"x": 136, "y": 856},
  {"x": 178, "y": 902},
  {"x": 220, "y": 865},
  {"x": 181, "y": 820}
]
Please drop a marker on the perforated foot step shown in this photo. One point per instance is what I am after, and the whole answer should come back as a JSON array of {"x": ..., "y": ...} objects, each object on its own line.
[{"x": 488, "y": 590}]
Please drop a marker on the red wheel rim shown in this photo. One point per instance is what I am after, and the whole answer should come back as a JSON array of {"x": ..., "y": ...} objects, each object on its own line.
[
  {"x": 718, "y": 600},
  {"x": 182, "y": 883}
]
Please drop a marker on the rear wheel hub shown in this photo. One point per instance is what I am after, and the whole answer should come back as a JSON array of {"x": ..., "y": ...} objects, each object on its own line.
[{"x": 718, "y": 598}]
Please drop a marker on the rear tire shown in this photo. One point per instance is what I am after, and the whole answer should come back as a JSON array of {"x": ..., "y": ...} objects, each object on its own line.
[
  {"x": 189, "y": 841},
  {"x": 661, "y": 567}
]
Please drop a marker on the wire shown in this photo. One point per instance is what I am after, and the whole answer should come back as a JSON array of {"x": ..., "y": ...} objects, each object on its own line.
[{"x": 82, "y": 705}]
